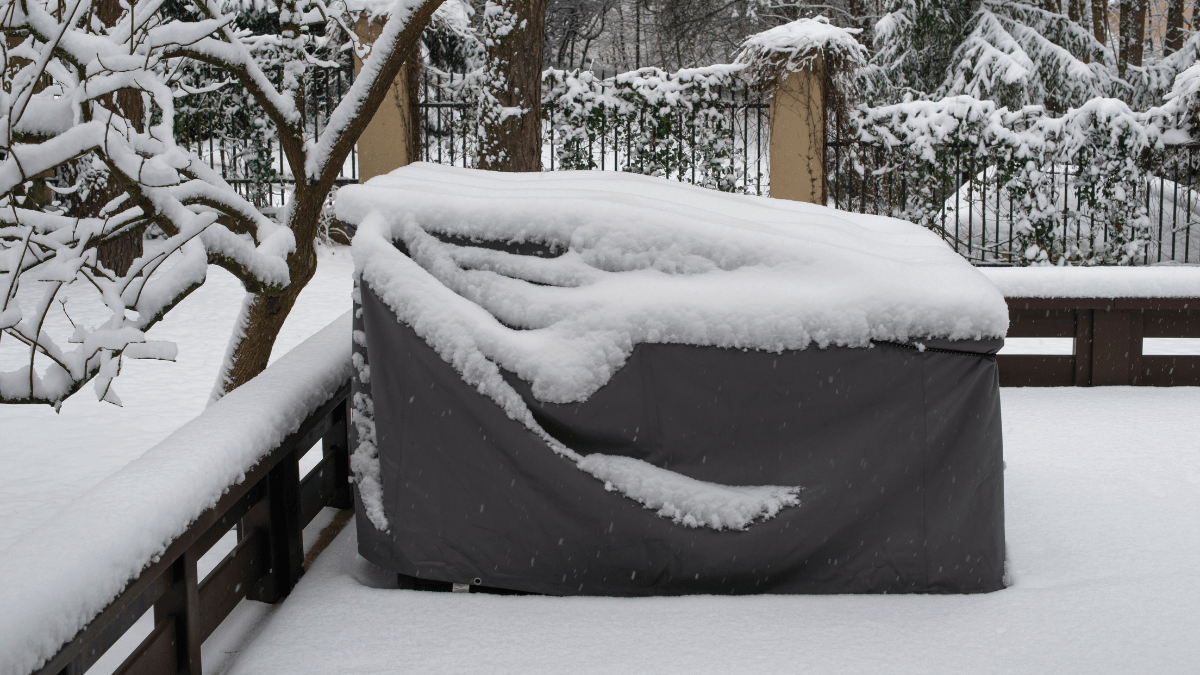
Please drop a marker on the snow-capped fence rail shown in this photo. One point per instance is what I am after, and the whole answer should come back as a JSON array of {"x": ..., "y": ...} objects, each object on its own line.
[
  {"x": 76, "y": 585},
  {"x": 1107, "y": 312}
]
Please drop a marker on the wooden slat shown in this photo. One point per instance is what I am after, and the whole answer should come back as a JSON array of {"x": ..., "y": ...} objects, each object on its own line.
[
  {"x": 317, "y": 488},
  {"x": 1170, "y": 371},
  {"x": 1035, "y": 370},
  {"x": 156, "y": 655},
  {"x": 121, "y": 623},
  {"x": 1041, "y": 323},
  {"x": 226, "y": 585},
  {"x": 1060, "y": 303},
  {"x": 1157, "y": 303},
  {"x": 230, "y": 519},
  {"x": 1171, "y": 323}
]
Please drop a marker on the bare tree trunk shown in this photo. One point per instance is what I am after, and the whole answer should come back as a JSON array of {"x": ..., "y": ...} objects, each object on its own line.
[
  {"x": 513, "y": 142},
  {"x": 1132, "y": 28},
  {"x": 1138, "y": 44},
  {"x": 1174, "y": 38},
  {"x": 262, "y": 318},
  {"x": 263, "y": 314},
  {"x": 1100, "y": 20}
]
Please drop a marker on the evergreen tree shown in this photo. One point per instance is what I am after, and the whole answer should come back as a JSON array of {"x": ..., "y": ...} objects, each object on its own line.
[{"x": 1011, "y": 52}]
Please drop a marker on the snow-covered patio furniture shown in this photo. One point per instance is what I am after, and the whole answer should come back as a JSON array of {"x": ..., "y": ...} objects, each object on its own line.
[{"x": 611, "y": 384}]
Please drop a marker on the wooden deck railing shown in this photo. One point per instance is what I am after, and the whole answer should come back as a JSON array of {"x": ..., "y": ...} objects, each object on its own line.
[
  {"x": 1108, "y": 336},
  {"x": 269, "y": 509}
]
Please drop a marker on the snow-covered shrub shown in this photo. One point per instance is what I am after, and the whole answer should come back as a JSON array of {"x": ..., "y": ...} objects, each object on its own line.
[
  {"x": 656, "y": 123},
  {"x": 1073, "y": 186}
]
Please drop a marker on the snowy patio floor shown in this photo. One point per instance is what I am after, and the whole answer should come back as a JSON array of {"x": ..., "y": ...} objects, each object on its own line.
[
  {"x": 1102, "y": 491},
  {"x": 1102, "y": 495}
]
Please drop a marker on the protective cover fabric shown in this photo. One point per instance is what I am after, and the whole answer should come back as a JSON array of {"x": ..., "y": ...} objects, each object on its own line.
[{"x": 898, "y": 451}]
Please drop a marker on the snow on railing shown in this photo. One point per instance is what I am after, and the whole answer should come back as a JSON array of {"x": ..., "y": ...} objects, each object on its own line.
[
  {"x": 132, "y": 541},
  {"x": 1107, "y": 312}
]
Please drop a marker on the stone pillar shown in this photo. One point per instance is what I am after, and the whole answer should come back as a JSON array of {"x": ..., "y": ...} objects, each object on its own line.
[
  {"x": 390, "y": 140},
  {"x": 797, "y": 153}
]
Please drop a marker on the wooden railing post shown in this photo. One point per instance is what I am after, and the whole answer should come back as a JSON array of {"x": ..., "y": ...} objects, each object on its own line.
[
  {"x": 1110, "y": 340},
  {"x": 285, "y": 533},
  {"x": 1083, "y": 347},
  {"x": 337, "y": 443},
  {"x": 178, "y": 612}
]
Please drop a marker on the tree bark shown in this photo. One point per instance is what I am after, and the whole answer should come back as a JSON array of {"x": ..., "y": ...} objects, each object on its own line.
[
  {"x": 1174, "y": 38},
  {"x": 264, "y": 313},
  {"x": 262, "y": 319},
  {"x": 117, "y": 255},
  {"x": 1138, "y": 45},
  {"x": 1100, "y": 20},
  {"x": 513, "y": 142},
  {"x": 1132, "y": 27}
]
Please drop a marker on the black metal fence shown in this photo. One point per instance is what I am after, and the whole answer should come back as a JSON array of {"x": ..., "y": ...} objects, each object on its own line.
[
  {"x": 970, "y": 209},
  {"x": 659, "y": 145},
  {"x": 974, "y": 212},
  {"x": 256, "y": 167}
]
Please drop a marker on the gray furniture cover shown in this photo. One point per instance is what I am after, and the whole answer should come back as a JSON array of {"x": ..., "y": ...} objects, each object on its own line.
[{"x": 898, "y": 450}]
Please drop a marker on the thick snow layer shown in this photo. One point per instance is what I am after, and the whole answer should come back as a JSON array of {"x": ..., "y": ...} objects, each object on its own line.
[
  {"x": 1102, "y": 541},
  {"x": 642, "y": 260},
  {"x": 793, "y": 46},
  {"x": 73, "y": 562},
  {"x": 1167, "y": 281},
  {"x": 651, "y": 260}
]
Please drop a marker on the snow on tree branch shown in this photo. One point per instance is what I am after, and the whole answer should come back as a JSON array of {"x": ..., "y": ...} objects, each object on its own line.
[
  {"x": 57, "y": 109},
  {"x": 66, "y": 114}
]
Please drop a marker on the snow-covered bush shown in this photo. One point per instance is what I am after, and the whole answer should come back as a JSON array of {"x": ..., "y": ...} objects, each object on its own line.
[
  {"x": 655, "y": 123},
  {"x": 1082, "y": 174}
]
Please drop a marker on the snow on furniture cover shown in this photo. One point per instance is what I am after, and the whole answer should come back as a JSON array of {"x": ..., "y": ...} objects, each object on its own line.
[{"x": 611, "y": 384}]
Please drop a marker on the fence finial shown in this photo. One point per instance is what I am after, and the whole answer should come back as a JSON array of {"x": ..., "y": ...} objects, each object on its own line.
[{"x": 805, "y": 63}]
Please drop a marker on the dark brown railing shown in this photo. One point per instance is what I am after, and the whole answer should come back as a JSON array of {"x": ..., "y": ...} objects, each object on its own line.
[
  {"x": 1108, "y": 336},
  {"x": 269, "y": 509}
]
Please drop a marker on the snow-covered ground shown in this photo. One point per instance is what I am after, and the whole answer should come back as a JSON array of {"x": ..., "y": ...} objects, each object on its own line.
[
  {"x": 50, "y": 458},
  {"x": 1102, "y": 489}
]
